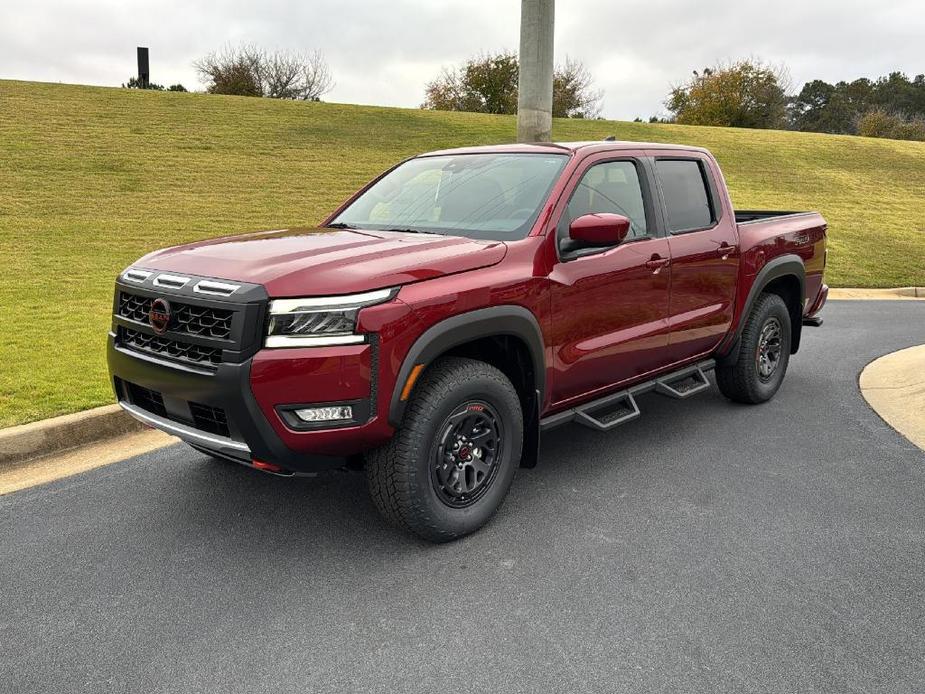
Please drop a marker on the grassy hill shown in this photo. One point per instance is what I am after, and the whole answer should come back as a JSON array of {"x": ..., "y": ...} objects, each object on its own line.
[{"x": 91, "y": 178}]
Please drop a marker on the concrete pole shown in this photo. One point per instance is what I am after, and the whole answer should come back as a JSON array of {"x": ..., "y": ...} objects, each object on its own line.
[{"x": 534, "y": 101}]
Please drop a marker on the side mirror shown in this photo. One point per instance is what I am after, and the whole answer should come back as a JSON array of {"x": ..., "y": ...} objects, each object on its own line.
[{"x": 602, "y": 229}]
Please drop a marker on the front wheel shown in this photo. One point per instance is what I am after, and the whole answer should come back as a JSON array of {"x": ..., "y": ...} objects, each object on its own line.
[
  {"x": 448, "y": 469},
  {"x": 764, "y": 353}
]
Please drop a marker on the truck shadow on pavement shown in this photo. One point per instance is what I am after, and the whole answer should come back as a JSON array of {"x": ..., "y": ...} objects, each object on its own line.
[{"x": 220, "y": 500}]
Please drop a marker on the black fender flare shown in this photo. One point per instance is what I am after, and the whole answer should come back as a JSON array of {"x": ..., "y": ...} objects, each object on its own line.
[
  {"x": 456, "y": 330},
  {"x": 781, "y": 266}
]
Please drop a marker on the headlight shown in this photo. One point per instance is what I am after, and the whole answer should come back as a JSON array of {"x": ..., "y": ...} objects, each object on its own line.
[{"x": 320, "y": 321}]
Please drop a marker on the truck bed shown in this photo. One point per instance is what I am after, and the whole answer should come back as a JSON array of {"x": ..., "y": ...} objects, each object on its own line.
[
  {"x": 765, "y": 235},
  {"x": 748, "y": 216}
]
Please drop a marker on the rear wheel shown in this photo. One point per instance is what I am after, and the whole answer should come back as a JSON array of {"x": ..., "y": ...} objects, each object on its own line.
[
  {"x": 764, "y": 354},
  {"x": 448, "y": 469}
]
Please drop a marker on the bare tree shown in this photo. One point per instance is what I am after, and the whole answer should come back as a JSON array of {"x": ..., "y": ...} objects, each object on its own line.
[
  {"x": 573, "y": 93},
  {"x": 316, "y": 78},
  {"x": 304, "y": 76},
  {"x": 247, "y": 70}
]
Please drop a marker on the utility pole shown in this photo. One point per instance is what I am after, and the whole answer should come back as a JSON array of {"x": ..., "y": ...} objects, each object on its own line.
[
  {"x": 144, "y": 71},
  {"x": 534, "y": 99}
]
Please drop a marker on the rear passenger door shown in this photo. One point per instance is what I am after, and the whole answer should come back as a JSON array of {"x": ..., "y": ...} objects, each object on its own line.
[
  {"x": 609, "y": 305},
  {"x": 703, "y": 240}
]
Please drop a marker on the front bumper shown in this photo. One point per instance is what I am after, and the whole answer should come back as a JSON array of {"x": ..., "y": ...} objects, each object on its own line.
[
  {"x": 235, "y": 411},
  {"x": 223, "y": 446}
]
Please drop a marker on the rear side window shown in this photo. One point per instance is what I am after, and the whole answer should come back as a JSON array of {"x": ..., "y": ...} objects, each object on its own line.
[{"x": 687, "y": 198}]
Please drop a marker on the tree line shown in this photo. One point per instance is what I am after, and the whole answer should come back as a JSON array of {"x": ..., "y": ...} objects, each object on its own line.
[
  {"x": 741, "y": 94},
  {"x": 751, "y": 94}
]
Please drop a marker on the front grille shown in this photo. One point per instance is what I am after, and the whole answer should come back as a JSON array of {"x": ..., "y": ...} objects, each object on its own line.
[
  {"x": 134, "y": 307},
  {"x": 165, "y": 347},
  {"x": 211, "y": 419},
  {"x": 205, "y": 418},
  {"x": 201, "y": 320},
  {"x": 185, "y": 318}
]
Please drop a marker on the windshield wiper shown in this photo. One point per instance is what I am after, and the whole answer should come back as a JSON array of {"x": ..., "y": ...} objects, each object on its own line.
[
  {"x": 338, "y": 225},
  {"x": 413, "y": 231}
]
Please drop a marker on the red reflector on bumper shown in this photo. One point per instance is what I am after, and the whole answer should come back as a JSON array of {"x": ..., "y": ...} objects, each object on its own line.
[{"x": 269, "y": 467}]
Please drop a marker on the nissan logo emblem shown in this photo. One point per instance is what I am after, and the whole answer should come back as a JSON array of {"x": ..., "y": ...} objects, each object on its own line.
[{"x": 159, "y": 315}]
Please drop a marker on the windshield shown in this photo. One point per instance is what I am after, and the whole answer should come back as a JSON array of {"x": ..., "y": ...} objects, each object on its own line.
[{"x": 481, "y": 196}]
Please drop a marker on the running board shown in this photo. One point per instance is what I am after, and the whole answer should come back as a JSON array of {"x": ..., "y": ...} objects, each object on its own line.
[{"x": 619, "y": 408}]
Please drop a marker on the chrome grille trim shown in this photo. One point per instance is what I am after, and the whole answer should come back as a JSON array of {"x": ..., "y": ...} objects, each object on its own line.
[
  {"x": 136, "y": 275},
  {"x": 217, "y": 288},
  {"x": 172, "y": 281}
]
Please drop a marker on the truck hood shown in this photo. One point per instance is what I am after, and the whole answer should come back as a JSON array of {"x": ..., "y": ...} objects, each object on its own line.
[{"x": 315, "y": 262}]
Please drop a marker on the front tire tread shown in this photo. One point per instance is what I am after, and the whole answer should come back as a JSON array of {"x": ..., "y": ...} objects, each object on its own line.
[{"x": 390, "y": 470}]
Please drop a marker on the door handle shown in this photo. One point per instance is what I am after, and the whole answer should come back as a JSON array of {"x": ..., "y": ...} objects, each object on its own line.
[
  {"x": 656, "y": 263},
  {"x": 725, "y": 250}
]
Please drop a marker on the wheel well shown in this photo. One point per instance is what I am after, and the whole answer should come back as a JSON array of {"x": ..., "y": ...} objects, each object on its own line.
[
  {"x": 789, "y": 289},
  {"x": 508, "y": 354},
  {"x": 506, "y": 336}
]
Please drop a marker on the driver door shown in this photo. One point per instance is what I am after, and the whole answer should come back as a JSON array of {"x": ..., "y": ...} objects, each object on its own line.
[{"x": 609, "y": 305}]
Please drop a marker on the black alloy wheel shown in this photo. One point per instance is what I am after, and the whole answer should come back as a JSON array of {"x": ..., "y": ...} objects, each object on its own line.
[
  {"x": 466, "y": 455},
  {"x": 767, "y": 357}
]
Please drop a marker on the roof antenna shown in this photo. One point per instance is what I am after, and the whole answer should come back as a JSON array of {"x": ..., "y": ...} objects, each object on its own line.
[{"x": 610, "y": 138}]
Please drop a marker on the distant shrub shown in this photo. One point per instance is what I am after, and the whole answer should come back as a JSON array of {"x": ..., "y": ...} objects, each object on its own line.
[
  {"x": 913, "y": 129},
  {"x": 881, "y": 123},
  {"x": 877, "y": 123},
  {"x": 134, "y": 83}
]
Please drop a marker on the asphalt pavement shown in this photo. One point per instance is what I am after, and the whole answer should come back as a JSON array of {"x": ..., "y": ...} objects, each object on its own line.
[{"x": 705, "y": 547}]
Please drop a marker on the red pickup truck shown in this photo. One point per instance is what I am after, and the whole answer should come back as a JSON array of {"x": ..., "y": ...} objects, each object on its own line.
[{"x": 457, "y": 306}]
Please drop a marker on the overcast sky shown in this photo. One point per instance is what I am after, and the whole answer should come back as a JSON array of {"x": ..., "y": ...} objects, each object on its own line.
[{"x": 385, "y": 52}]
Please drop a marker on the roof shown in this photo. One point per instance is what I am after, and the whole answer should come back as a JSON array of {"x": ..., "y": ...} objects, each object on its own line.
[{"x": 565, "y": 147}]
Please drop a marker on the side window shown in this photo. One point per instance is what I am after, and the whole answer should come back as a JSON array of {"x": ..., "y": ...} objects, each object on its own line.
[
  {"x": 613, "y": 187},
  {"x": 687, "y": 199}
]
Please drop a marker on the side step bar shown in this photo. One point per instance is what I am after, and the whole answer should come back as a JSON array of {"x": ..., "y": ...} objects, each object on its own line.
[{"x": 619, "y": 408}]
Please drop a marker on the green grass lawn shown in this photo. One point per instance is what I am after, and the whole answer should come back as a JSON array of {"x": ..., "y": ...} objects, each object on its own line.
[{"x": 91, "y": 178}]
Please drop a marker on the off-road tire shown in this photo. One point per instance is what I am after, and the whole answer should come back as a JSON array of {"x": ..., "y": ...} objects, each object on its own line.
[
  {"x": 400, "y": 473},
  {"x": 741, "y": 381}
]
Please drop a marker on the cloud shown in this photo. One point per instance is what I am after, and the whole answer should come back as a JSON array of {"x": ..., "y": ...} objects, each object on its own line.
[{"x": 385, "y": 53}]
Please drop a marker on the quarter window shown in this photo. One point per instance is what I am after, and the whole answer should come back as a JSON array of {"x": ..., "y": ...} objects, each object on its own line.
[{"x": 687, "y": 199}]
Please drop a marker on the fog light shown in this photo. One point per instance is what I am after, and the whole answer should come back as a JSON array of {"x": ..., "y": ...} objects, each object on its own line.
[{"x": 325, "y": 414}]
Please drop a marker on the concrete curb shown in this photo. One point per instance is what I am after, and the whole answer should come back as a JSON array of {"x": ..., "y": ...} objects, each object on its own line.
[
  {"x": 58, "y": 434},
  {"x": 896, "y": 293},
  {"x": 894, "y": 386}
]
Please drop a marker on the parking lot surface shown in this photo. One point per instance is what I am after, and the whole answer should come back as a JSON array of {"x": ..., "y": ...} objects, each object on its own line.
[{"x": 705, "y": 547}]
